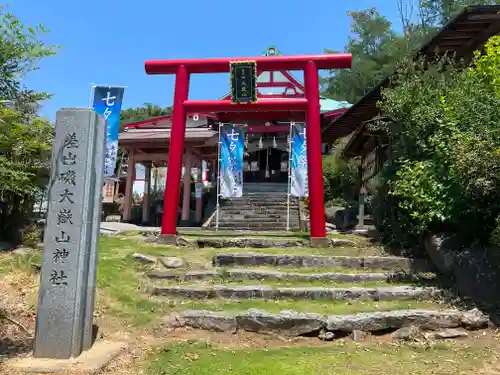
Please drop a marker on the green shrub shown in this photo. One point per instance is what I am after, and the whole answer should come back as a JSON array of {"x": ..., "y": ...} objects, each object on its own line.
[
  {"x": 340, "y": 177},
  {"x": 445, "y": 175}
]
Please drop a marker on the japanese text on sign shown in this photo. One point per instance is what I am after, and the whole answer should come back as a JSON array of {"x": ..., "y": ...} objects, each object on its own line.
[{"x": 66, "y": 179}]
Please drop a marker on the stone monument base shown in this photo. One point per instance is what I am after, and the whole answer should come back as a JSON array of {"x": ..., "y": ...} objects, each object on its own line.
[
  {"x": 89, "y": 362},
  {"x": 319, "y": 242},
  {"x": 167, "y": 239}
]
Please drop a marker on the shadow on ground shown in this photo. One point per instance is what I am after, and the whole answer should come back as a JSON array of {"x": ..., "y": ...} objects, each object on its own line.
[
  {"x": 469, "y": 276},
  {"x": 10, "y": 348}
]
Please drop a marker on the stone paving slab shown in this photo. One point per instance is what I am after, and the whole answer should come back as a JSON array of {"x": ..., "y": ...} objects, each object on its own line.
[
  {"x": 383, "y": 293},
  {"x": 315, "y": 261},
  {"x": 256, "y": 274},
  {"x": 89, "y": 362},
  {"x": 293, "y": 323}
]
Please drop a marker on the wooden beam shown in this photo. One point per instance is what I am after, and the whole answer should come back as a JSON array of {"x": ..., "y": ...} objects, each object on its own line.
[{"x": 479, "y": 39}]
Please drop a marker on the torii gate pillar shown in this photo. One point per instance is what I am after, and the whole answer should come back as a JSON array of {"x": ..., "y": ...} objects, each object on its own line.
[{"x": 314, "y": 157}]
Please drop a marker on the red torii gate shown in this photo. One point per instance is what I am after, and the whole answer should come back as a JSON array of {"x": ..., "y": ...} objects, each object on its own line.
[{"x": 310, "y": 64}]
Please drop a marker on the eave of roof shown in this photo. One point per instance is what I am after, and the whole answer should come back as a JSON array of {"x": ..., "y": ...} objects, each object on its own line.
[
  {"x": 155, "y": 120},
  {"x": 192, "y": 134}
]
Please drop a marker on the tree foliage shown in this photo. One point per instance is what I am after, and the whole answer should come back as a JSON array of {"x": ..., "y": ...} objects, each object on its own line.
[
  {"x": 25, "y": 139},
  {"x": 340, "y": 177},
  {"x": 145, "y": 112},
  {"x": 377, "y": 48},
  {"x": 443, "y": 120}
]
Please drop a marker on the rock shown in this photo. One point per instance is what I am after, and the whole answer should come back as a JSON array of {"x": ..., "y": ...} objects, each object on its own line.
[
  {"x": 317, "y": 261},
  {"x": 346, "y": 219},
  {"x": 450, "y": 333},
  {"x": 256, "y": 274},
  {"x": 6, "y": 246},
  {"x": 330, "y": 226},
  {"x": 289, "y": 323},
  {"x": 113, "y": 219},
  {"x": 190, "y": 292},
  {"x": 202, "y": 319},
  {"x": 36, "y": 267},
  {"x": 389, "y": 293},
  {"x": 339, "y": 242},
  {"x": 257, "y": 243},
  {"x": 358, "y": 335},
  {"x": 164, "y": 275},
  {"x": 172, "y": 262},
  {"x": 410, "y": 333},
  {"x": 330, "y": 213},
  {"x": 182, "y": 242},
  {"x": 475, "y": 319},
  {"x": 326, "y": 335},
  {"x": 378, "y": 321},
  {"x": 145, "y": 259},
  {"x": 441, "y": 249}
]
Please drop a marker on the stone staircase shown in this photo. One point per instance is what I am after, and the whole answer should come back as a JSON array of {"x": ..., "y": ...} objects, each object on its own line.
[
  {"x": 324, "y": 293},
  {"x": 263, "y": 207}
]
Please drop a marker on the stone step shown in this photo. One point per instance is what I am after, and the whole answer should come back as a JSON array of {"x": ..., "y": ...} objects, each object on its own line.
[
  {"x": 292, "y": 323},
  {"x": 256, "y": 217},
  {"x": 251, "y": 242},
  {"x": 259, "y": 206},
  {"x": 265, "y": 212},
  {"x": 257, "y": 221},
  {"x": 246, "y": 214},
  {"x": 382, "y": 293},
  {"x": 317, "y": 261},
  {"x": 262, "y": 228},
  {"x": 261, "y": 198},
  {"x": 253, "y": 274}
]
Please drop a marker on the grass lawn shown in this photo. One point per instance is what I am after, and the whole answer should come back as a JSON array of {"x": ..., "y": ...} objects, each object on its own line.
[
  {"x": 193, "y": 234},
  {"x": 337, "y": 358},
  {"x": 120, "y": 298},
  {"x": 317, "y": 306},
  {"x": 122, "y": 307},
  {"x": 282, "y": 283}
]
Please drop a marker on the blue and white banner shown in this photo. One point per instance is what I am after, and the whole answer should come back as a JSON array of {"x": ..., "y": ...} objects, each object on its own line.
[
  {"x": 299, "y": 183},
  {"x": 231, "y": 160},
  {"x": 108, "y": 103}
]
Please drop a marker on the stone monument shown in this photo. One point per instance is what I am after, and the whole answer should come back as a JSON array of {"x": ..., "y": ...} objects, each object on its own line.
[{"x": 68, "y": 275}]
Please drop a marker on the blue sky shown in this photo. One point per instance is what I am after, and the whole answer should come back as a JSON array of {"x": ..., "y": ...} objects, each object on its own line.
[{"x": 107, "y": 41}]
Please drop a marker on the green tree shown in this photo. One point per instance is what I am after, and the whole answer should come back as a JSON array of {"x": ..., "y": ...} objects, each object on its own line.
[
  {"x": 25, "y": 139},
  {"x": 145, "y": 112},
  {"x": 377, "y": 48},
  {"x": 374, "y": 51},
  {"x": 443, "y": 121}
]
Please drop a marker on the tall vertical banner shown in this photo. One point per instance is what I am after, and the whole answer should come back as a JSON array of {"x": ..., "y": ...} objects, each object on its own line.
[
  {"x": 231, "y": 160},
  {"x": 108, "y": 103},
  {"x": 299, "y": 183}
]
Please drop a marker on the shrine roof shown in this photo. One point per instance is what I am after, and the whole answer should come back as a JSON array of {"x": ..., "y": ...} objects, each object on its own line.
[
  {"x": 330, "y": 105},
  {"x": 464, "y": 34},
  {"x": 192, "y": 134}
]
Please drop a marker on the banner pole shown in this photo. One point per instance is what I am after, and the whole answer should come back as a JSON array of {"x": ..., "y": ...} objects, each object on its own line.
[
  {"x": 218, "y": 179},
  {"x": 92, "y": 87},
  {"x": 290, "y": 140}
]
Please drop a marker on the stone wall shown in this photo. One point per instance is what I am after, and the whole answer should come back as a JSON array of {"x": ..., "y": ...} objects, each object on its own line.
[{"x": 473, "y": 271}]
